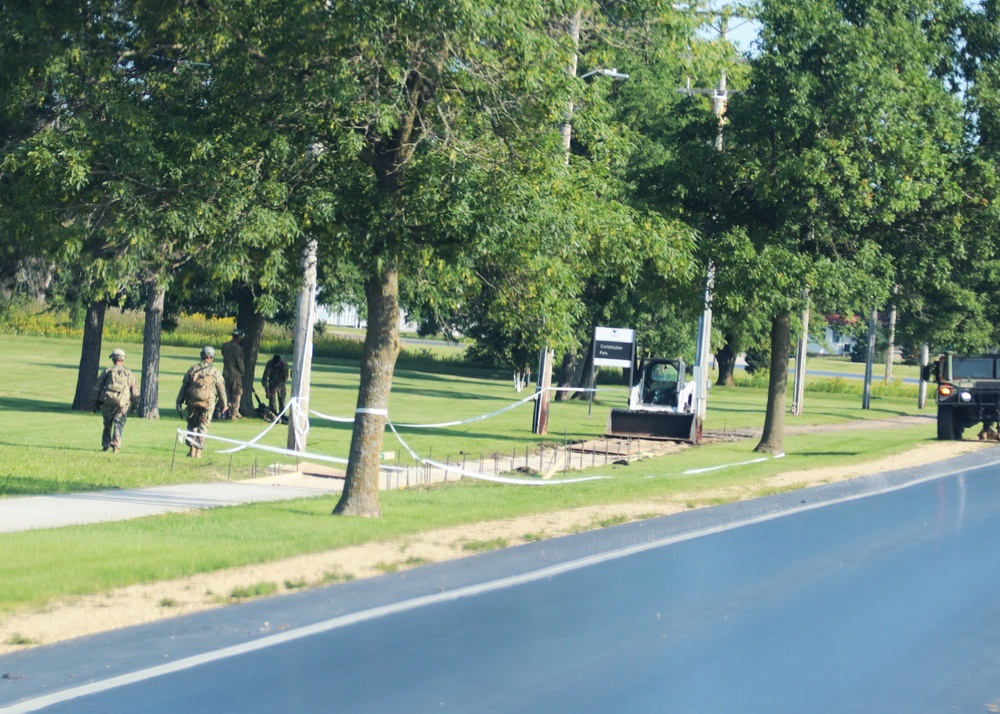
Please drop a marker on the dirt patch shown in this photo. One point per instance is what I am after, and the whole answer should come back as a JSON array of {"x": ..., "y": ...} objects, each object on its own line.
[{"x": 73, "y": 617}]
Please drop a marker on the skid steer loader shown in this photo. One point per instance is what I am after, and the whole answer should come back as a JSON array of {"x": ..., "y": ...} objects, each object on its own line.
[{"x": 661, "y": 404}]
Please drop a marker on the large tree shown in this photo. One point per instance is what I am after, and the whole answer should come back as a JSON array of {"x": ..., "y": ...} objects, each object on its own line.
[
  {"x": 400, "y": 115},
  {"x": 843, "y": 133}
]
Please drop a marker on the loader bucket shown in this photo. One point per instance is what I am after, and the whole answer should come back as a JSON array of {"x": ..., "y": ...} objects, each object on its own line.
[{"x": 654, "y": 425}]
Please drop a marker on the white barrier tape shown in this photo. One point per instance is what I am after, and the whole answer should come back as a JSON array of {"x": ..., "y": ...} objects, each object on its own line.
[
  {"x": 342, "y": 420},
  {"x": 306, "y": 455},
  {"x": 473, "y": 419},
  {"x": 373, "y": 412},
  {"x": 385, "y": 412},
  {"x": 263, "y": 433},
  {"x": 692, "y": 472},
  {"x": 300, "y": 417},
  {"x": 413, "y": 454}
]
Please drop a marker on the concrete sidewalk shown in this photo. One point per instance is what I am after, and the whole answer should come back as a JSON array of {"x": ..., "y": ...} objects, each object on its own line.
[
  {"x": 34, "y": 512},
  {"x": 309, "y": 479}
]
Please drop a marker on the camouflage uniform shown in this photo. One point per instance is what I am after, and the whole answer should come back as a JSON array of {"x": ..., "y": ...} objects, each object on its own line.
[
  {"x": 199, "y": 416},
  {"x": 116, "y": 391},
  {"x": 273, "y": 381},
  {"x": 232, "y": 371}
]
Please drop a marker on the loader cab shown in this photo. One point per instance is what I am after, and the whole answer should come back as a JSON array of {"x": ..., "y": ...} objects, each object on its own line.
[{"x": 660, "y": 383}]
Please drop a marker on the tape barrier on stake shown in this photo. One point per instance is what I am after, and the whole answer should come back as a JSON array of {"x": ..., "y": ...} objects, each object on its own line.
[
  {"x": 293, "y": 406},
  {"x": 514, "y": 481},
  {"x": 264, "y": 433},
  {"x": 483, "y": 477}
]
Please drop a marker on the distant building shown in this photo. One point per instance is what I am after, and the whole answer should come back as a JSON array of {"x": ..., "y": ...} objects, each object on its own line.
[
  {"x": 347, "y": 316},
  {"x": 837, "y": 339}
]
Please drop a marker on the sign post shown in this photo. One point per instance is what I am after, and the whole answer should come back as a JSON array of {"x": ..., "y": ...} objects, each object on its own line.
[{"x": 614, "y": 347}]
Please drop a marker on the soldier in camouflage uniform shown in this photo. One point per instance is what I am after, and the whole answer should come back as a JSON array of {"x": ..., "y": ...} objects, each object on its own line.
[
  {"x": 202, "y": 389},
  {"x": 273, "y": 381},
  {"x": 232, "y": 371},
  {"x": 116, "y": 392}
]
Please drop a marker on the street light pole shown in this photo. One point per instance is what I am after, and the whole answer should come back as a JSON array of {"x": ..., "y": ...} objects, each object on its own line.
[{"x": 540, "y": 419}]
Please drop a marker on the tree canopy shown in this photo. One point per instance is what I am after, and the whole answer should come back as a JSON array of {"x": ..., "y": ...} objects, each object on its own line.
[{"x": 476, "y": 164}]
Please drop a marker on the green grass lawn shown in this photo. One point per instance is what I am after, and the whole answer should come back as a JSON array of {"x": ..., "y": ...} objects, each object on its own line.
[{"x": 49, "y": 449}]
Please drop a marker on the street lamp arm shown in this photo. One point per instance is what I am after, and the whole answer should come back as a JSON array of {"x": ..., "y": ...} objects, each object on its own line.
[{"x": 604, "y": 72}]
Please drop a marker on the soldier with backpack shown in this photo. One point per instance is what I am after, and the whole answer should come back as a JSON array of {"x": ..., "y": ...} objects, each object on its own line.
[
  {"x": 201, "y": 389},
  {"x": 116, "y": 392}
]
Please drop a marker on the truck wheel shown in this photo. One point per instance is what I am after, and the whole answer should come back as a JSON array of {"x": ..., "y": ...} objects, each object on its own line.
[{"x": 947, "y": 425}]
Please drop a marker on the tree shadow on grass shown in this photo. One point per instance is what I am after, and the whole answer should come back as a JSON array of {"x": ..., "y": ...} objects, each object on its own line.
[
  {"x": 34, "y": 405},
  {"x": 11, "y": 485},
  {"x": 829, "y": 453}
]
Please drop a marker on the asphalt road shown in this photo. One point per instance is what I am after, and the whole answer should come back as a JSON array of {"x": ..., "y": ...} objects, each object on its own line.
[{"x": 879, "y": 594}]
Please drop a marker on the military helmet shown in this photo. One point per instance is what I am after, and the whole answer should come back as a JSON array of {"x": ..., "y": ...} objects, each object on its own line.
[
  {"x": 208, "y": 351},
  {"x": 237, "y": 333},
  {"x": 118, "y": 353}
]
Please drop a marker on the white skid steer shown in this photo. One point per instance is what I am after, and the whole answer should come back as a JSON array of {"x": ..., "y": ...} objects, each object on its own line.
[{"x": 661, "y": 404}]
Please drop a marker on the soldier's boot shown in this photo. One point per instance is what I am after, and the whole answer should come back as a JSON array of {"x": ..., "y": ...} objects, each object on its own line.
[
  {"x": 191, "y": 451},
  {"x": 114, "y": 449},
  {"x": 197, "y": 453}
]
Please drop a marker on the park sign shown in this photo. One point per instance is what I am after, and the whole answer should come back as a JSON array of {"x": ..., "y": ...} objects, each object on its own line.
[{"x": 614, "y": 347}]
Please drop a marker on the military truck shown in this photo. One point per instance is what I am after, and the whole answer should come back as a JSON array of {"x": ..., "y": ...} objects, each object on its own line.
[{"x": 968, "y": 393}]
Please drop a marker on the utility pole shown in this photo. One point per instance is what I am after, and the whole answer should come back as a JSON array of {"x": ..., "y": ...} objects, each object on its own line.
[
  {"x": 305, "y": 317},
  {"x": 800, "y": 360},
  {"x": 890, "y": 353},
  {"x": 704, "y": 346},
  {"x": 866, "y": 400},
  {"x": 925, "y": 359},
  {"x": 720, "y": 99},
  {"x": 540, "y": 422},
  {"x": 540, "y": 418}
]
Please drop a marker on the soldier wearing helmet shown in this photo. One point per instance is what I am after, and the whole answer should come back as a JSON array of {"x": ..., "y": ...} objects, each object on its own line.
[
  {"x": 116, "y": 394},
  {"x": 201, "y": 389},
  {"x": 233, "y": 369}
]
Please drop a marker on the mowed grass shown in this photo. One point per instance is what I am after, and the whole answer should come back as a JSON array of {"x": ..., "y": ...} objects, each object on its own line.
[{"x": 47, "y": 448}]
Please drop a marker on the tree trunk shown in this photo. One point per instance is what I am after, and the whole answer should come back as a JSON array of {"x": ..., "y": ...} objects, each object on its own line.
[
  {"x": 149, "y": 396},
  {"x": 90, "y": 357},
  {"x": 567, "y": 372},
  {"x": 773, "y": 439},
  {"x": 360, "y": 496},
  {"x": 584, "y": 375},
  {"x": 726, "y": 360},
  {"x": 253, "y": 325}
]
